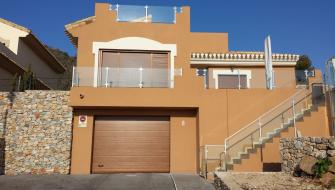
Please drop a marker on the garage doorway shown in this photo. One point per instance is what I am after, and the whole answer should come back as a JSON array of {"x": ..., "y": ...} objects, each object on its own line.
[{"x": 131, "y": 144}]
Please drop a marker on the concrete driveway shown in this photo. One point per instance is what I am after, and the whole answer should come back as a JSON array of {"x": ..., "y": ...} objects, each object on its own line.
[{"x": 104, "y": 182}]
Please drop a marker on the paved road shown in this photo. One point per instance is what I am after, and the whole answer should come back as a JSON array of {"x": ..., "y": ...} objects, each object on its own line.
[{"x": 104, "y": 182}]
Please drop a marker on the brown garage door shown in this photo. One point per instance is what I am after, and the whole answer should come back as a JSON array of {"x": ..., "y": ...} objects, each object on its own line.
[{"x": 131, "y": 144}]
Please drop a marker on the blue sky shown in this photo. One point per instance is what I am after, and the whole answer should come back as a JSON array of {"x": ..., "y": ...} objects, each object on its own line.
[{"x": 295, "y": 26}]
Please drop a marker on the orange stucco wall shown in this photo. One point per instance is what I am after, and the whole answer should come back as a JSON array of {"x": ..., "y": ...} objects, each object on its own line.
[{"x": 216, "y": 113}]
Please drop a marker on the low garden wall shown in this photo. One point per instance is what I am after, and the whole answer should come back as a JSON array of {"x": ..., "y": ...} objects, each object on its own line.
[
  {"x": 38, "y": 132},
  {"x": 293, "y": 150}
]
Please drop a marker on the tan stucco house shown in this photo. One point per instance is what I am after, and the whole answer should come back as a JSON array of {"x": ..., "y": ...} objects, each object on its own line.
[
  {"x": 19, "y": 49},
  {"x": 149, "y": 95}
]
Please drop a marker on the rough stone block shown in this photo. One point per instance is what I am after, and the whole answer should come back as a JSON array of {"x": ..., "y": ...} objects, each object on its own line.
[
  {"x": 298, "y": 145},
  {"x": 327, "y": 178},
  {"x": 321, "y": 146},
  {"x": 307, "y": 164},
  {"x": 332, "y": 166}
]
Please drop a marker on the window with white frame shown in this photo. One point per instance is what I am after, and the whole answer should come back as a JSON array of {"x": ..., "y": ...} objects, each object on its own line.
[
  {"x": 122, "y": 68},
  {"x": 232, "y": 78},
  {"x": 232, "y": 81}
]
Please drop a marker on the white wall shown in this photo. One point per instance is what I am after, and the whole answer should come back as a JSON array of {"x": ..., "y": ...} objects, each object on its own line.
[
  {"x": 12, "y": 35},
  {"x": 44, "y": 72},
  {"x": 25, "y": 56}
]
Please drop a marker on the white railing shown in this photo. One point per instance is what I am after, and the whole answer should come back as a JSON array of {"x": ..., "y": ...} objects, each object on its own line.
[
  {"x": 267, "y": 123},
  {"x": 211, "y": 157},
  {"x": 151, "y": 14},
  {"x": 285, "y": 114},
  {"x": 122, "y": 77}
]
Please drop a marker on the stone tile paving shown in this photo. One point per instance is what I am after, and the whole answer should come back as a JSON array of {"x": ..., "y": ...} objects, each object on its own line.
[{"x": 263, "y": 181}]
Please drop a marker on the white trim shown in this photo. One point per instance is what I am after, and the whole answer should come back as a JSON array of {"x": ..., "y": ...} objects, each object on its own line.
[
  {"x": 240, "y": 63},
  {"x": 243, "y": 56},
  {"x": 134, "y": 43},
  {"x": 218, "y": 72}
]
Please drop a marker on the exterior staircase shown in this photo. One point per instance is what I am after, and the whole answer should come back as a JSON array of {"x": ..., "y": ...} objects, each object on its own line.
[
  {"x": 244, "y": 154},
  {"x": 249, "y": 139}
]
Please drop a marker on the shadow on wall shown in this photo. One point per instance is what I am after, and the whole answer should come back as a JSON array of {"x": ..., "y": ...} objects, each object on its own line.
[
  {"x": 2, "y": 156},
  {"x": 10, "y": 97},
  {"x": 271, "y": 167}
]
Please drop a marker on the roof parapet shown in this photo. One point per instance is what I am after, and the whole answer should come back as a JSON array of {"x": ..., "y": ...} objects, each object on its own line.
[{"x": 242, "y": 56}]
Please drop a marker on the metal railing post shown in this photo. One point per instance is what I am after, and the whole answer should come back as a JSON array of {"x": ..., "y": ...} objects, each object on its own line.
[
  {"x": 19, "y": 84},
  {"x": 282, "y": 120},
  {"x": 306, "y": 74},
  {"x": 206, "y": 163},
  {"x": 73, "y": 75},
  {"x": 293, "y": 110},
  {"x": 146, "y": 14},
  {"x": 77, "y": 77},
  {"x": 206, "y": 78},
  {"x": 117, "y": 12},
  {"x": 260, "y": 130},
  {"x": 306, "y": 100},
  {"x": 107, "y": 74},
  {"x": 252, "y": 141},
  {"x": 175, "y": 15},
  {"x": 141, "y": 78}
]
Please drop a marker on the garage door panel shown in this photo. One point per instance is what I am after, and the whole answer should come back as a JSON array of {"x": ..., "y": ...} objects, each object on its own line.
[
  {"x": 131, "y": 119},
  {"x": 144, "y": 139},
  {"x": 111, "y": 147},
  {"x": 131, "y": 144},
  {"x": 133, "y": 150},
  {"x": 134, "y": 127},
  {"x": 156, "y": 163},
  {"x": 131, "y": 134}
]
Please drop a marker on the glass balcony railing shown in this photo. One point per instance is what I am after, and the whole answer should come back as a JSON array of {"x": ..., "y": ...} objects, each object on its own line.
[
  {"x": 153, "y": 14},
  {"x": 122, "y": 77},
  {"x": 303, "y": 75}
]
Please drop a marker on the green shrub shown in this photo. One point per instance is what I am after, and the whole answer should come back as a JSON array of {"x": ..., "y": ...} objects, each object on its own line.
[
  {"x": 303, "y": 63},
  {"x": 321, "y": 166}
]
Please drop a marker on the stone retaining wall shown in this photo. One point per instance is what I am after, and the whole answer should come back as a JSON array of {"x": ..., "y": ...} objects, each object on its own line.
[
  {"x": 38, "y": 133},
  {"x": 292, "y": 150}
]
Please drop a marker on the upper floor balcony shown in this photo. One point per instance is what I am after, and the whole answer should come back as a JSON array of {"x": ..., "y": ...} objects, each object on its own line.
[
  {"x": 109, "y": 77},
  {"x": 150, "y": 14},
  {"x": 154, "y": 69}
]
